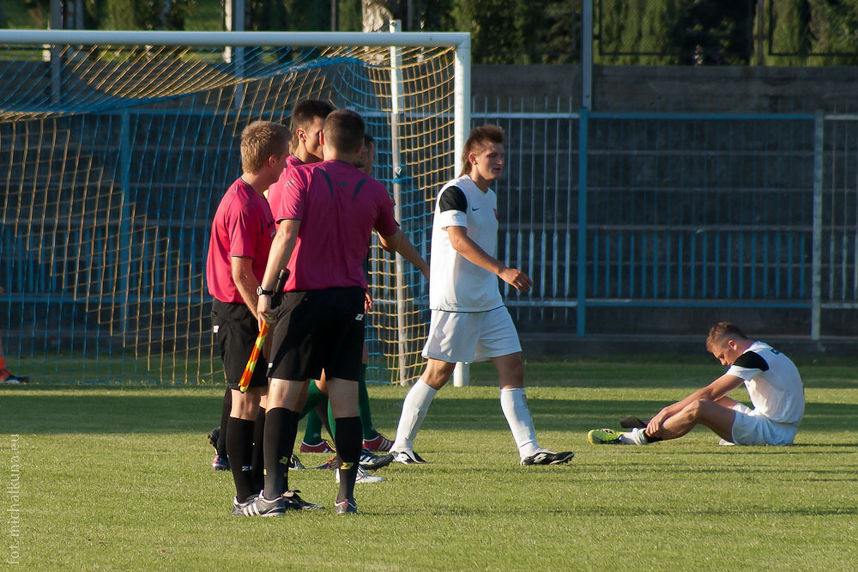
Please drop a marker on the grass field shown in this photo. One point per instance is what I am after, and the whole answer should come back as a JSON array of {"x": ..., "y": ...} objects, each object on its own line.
[{"x": 118, "y": 478}]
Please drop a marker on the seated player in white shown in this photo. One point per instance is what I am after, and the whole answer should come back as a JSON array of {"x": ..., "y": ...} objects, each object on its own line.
[{"x": 773, "y": 383}]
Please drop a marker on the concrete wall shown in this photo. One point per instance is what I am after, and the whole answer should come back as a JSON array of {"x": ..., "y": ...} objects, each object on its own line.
[{"x": 721, "y": 89}]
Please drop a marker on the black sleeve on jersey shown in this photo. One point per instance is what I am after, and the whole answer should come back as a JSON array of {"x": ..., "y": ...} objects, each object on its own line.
[
  {"x": 751, "y": 360},
  {"x": 453, "y": 199}
]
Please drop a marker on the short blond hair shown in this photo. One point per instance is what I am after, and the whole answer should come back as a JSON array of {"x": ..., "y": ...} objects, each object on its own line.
[
  {"x": 722, "y": 330},
  {"x": 259, "y": 141}
]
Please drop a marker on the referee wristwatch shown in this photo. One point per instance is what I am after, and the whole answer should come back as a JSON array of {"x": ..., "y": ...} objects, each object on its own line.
[{"x": 260, "y": 291}]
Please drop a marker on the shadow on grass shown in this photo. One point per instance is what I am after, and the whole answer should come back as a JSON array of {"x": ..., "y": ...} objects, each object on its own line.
[{"x": 191, "y": 411}]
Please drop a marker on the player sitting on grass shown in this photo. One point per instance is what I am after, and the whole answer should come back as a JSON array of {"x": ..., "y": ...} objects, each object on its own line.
[
  {"x": 773, "y": 384},
  {"x": 469, "y": 321}
]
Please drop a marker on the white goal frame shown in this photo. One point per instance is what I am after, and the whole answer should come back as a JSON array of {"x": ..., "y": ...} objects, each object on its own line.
[{"x": 460, "y": 41}]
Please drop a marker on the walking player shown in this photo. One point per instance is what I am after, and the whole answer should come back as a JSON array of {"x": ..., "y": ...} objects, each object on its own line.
[{"x": 469, "y": 320}]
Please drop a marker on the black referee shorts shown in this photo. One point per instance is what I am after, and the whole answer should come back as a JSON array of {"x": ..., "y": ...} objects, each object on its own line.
[
  {"x": 316, "y": 330},
  {"x": 236, "y": 330}
]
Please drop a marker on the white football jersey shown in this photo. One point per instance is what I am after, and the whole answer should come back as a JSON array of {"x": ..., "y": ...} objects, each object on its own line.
[
  {"x": 773, "y": 383},
  {"x": 454, "y": 283}
]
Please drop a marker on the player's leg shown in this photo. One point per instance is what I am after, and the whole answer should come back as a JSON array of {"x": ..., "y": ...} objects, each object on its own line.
[
  {"x": 285, "y": 401},
  {"x": 217, "y": 436},
  {"x": 709, "y": 413},
  {"x": 239, "y": 441},
  {"x": 343, "y": 400},
  {"x": 372, "y": 439},
  {"x": 313, "y": 442},
  {"x": 717, "y": 415},
  {"x": 452, "y": 338},
  {"x": 414, "y": 409}
]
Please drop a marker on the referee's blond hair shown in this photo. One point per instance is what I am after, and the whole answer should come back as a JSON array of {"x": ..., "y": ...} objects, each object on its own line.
[{"x": 259, "y": 141}]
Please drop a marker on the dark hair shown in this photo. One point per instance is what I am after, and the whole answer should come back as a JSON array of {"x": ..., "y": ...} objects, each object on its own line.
[
  {"x": 478, "y": 137},
  {"x": 303, "y": 114},
  {"x": 259, "y": 141},
  {"x": 344, "y": 130},
  {"x": 722, "y": 330}
]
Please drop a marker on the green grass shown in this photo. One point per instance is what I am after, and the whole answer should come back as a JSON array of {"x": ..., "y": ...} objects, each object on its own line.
[{"x": 119, "y": 478}]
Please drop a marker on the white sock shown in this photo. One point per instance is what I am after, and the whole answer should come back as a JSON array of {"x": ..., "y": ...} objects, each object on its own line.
[
  {"x": 414, "y": 409},
  {"x": 634, "y": 437},
  {"x": 514, "y": 405}
]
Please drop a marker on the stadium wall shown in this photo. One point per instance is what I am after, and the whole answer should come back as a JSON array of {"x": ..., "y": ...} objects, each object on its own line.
[{"x": 704, "y": 89}]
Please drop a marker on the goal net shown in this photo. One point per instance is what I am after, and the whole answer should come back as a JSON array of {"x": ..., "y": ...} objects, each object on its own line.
[{"x": 115, "y": 148}]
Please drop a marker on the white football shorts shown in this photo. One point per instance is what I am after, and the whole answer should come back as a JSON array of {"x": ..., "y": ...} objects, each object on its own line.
[
  {"x": 471, "y": 336},
  {"x": 752, "y": 428}
]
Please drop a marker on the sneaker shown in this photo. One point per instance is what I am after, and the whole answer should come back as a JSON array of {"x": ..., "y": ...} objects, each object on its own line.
[
  {"x": 347, "y": 506},
  {"x": 293, "y": 502},
  {"x": 330, "y": 464},
  {"x": 379, "y": 443},
  {"x": 407, "y": 457},
  {"x": 548, "y": 458},
  {"x": 15, "y": 379},
  {"x": 372, "y": 462},
  {"x": 725, "y": 443},
  {"x": 238, "y": 507},
  {"x": 609, "y": 437},
  {"x": 295, "y": 463},
  {"x": 632, "y": 422},
  {"x": 260, "y": 506},
  {"x": 320, "y": 447},
  {"x": 363, "y": 476},
  {"x": 213, "y": 437},
  {"x": 220, "y": 463}
]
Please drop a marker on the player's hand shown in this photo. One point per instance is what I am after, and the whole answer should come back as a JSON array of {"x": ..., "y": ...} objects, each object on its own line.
[
  {"x": 264, "y": 312},
  {"x": 367, "y": 302},
  {"x": 657, "y": 422},
  {"x": 517, "y": 279}
]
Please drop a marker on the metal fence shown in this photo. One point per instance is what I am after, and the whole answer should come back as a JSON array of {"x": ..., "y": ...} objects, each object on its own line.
[{"x": 613, "y": 214}]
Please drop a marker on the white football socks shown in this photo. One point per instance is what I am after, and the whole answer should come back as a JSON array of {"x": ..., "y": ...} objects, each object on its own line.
[
  {"x": 636, "y": 436},
  {"x": 514, "y": 405},
  {"x": 414, "y": 409}
]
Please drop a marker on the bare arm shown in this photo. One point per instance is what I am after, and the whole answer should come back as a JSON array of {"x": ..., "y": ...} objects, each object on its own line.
[
  {"x": 712, "y": 392},
  {"x": 464, "y": 245},
  {"x": 242, "y": 275},
  {"x": 281, "y": 252},
  {"x": 399, "y": 242}
]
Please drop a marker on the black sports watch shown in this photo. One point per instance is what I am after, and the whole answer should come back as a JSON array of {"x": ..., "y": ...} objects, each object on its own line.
[{"x": 260, "y": 291}]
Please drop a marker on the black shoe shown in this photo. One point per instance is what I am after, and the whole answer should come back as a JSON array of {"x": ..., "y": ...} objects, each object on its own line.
[
  {"x": 632, "y": 422},
  {"x": 15, "y": 379},
  {"x": 347, "y": 506},
  {"x": 371, "y": 462},
  {"x": 548, "y": 458},
  {"x": 213, "y": 436},
  {"x": 295, "y": 462},
  {"x": 294, "y": 502},
  {"x": 407, "y": 457},
  {"x": 259, "y": 506}
]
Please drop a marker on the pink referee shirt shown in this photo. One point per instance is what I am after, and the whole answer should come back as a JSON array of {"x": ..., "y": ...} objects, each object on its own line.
[
  {"x": 242, "y": 226},
  {"x": 338, "y": 206},
  {"x": 276, "y": 192}
]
